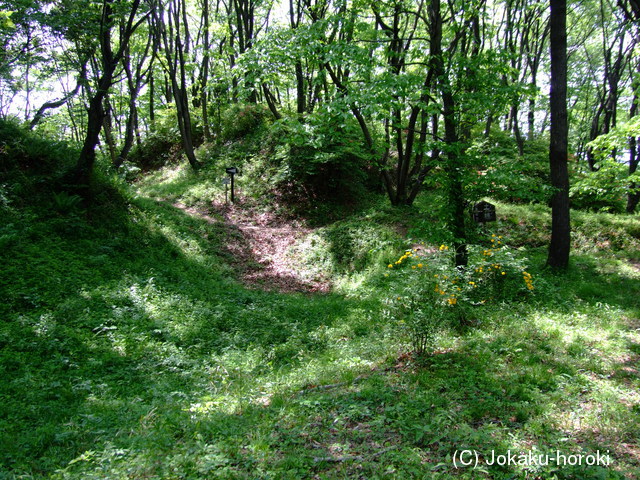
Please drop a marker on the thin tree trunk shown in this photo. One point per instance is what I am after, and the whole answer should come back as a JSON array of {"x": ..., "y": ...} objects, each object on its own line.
[
  {"x": 95, "y": 115},
  {"x": 87, "y": 159},
  {"x": 205, "y": 72},
  {"x": 453, "y": 165},
  {"x": 152, "y": 111},
  {"x": 174, "y": 50},
  {"x": 107, "y": 128}
]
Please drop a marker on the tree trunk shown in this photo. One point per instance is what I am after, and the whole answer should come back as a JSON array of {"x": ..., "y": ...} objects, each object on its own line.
[
  {"x": 87, "y": 159},
  {"x": 516, "y": 130},
  {"x": 558, "y": 151},
  {"x": 134, "y": 85},
  {"x": 172, "y": 36},
  {"x": 152, "y": 111},
  {"x": 204, "y": 77},
  {"x": 453, "y": 164},
  {"x": 107, "y": 129},
  {"x": 95, "y": 116},
  {"x": 634, "y": 159},
  {"x": 301, "y": 94}
]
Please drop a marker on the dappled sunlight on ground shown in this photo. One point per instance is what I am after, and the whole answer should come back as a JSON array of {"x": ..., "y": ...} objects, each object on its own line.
[{"x": 259, "y": 244}]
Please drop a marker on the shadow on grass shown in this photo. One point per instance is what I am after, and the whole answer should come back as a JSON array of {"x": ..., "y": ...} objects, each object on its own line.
[
  {"x": 126, "y": 327},
  {"x": 138, "y": 357}
]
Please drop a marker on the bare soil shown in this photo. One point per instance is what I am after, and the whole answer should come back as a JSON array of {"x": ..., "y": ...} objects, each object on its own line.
[{"x": 260, "y": 245}]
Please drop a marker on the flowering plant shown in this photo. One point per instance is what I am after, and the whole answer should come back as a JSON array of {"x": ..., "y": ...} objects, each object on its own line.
[{"x": 429, "y": 293}]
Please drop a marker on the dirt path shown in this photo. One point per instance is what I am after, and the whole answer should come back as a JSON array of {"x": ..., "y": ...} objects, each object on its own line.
[{"x": 259, "y": 244}]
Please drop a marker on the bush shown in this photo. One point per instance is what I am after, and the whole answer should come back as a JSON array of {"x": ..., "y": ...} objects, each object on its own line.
[
  {"x": 241, "y": 120},
  {"x": 430, "y": 294},
  {"x": 161, "y": 147},
  {"x": 32, "y": 166},
  {"x": 26, "y": 151},
  {"x": 347, "y": 246},
  {"x": 603, "y": 190},
  {"x": 499, "y": 173},
  {"x": 321, "y": 160}
]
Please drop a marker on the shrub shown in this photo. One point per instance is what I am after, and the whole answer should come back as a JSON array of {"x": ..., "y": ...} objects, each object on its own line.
[
  {"x": 162, "y": 146},
  {"x": 346, "y": 246},
  {"x": 28, "y": 152},
  {"x": 241, "y": 120},
  {"x": 128, "y": 171},
  {"x": 32, "y": 166},
  {"x": 603, "y": 190},
  {"x": 429, "y": 293},
  {"x": 500, "y": 173},
  {"x": 66, "y": 203},
  {"x": 322, "y": 159}
]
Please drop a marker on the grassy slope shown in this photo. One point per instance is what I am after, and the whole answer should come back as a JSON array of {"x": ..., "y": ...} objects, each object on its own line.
[{"x": 128, "y": 351}]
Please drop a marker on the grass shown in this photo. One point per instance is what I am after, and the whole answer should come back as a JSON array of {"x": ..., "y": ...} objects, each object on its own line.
[{"x": 129, "y": 350}]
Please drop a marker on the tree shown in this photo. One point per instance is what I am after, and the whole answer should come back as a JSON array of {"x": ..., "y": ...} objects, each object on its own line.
[
  {"x": 560, "y": 245},
  {"x": 137, "y": 74},
  {"x": 172, "y": 31},
  {"x": 631, "y": 10},
  {"x": 110, "y": 16},
  {"x": 616, "y": 50},
  {"x": 454, "y": 153}
]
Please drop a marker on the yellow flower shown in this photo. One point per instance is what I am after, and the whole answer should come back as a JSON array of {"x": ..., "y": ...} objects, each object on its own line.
[
  {"x": 472, "y": 283},
  {"x": 413, "y": 267},
  {"x": 390, "y": 266},
  {"x": 503, "y": 273},
  {"x": 419, "y": 265}
]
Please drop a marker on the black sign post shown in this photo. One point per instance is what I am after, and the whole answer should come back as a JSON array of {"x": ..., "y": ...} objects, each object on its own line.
[
  {"x": 232, "y": 173},
  {"x": 226, "y": 182}
]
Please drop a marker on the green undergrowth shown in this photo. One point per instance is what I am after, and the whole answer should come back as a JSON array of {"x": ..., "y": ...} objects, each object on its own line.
[{"x": 129, "y": 350}]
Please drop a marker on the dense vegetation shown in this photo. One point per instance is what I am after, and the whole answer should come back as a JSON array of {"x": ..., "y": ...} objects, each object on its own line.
[
  {"x": 131, "y": 349},
  {"x": 347, "y": 316}
]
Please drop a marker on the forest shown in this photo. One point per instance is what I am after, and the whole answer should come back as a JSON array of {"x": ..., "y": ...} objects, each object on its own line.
[{"x": 319, "y": 239}]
